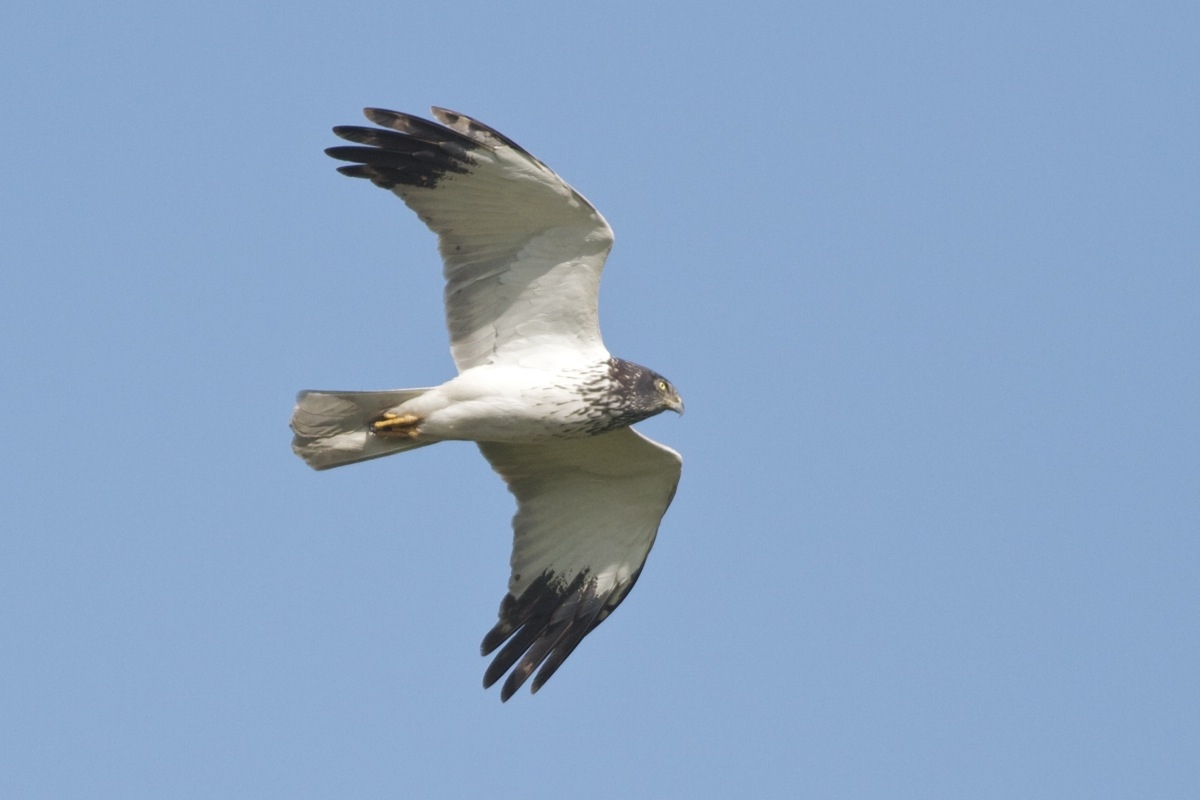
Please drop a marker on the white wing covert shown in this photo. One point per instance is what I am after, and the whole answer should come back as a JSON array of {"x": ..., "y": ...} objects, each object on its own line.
[{"x": 522, "y": 250}]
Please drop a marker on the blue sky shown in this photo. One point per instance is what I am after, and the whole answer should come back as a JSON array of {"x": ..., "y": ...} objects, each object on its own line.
[{"x": 926, "y": 275}]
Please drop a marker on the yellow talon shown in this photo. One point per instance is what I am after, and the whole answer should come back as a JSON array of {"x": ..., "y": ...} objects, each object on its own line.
[{"x": 399, "y": 426}]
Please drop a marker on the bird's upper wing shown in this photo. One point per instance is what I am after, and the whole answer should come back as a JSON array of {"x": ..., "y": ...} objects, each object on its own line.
[
  {"x": 523, "y": 251},
  {"x": 587, "y": 513}
]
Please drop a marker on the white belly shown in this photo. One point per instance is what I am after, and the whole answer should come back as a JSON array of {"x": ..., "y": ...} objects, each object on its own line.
[{"x": 501, "y": 404}]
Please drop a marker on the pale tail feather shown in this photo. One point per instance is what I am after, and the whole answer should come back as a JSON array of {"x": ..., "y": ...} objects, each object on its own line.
[{"x": 333, "y": 428}]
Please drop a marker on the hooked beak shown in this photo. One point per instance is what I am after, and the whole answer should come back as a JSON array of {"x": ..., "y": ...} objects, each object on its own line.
[{"x": 675, "y": 403}]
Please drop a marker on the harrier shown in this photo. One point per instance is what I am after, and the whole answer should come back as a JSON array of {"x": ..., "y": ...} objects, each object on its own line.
[{"x": 536, "y": 389}]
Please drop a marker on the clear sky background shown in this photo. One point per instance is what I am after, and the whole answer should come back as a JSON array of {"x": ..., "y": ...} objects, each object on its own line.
[{"x": 927, "y": 275}]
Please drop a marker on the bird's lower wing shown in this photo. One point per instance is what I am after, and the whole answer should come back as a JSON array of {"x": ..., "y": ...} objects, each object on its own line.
[{"x": 587, "y": 514}]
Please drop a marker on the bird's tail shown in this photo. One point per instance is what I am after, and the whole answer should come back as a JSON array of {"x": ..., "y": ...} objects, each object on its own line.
[{"x": 334, "y": 428}]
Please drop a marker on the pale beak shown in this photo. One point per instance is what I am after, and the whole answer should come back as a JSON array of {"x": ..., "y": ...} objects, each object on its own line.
[{"x": 675, "y": 403}]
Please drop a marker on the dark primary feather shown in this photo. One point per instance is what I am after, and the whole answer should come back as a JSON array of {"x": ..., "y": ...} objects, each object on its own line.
[
  {"x": 415, "y": 151},
  {"x": 544, "y": 626},
  {"x": 483, "y": 134}
]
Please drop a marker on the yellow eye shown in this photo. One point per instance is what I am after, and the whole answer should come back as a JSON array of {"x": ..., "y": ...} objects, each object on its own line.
[{"x": 661, "y": 385}]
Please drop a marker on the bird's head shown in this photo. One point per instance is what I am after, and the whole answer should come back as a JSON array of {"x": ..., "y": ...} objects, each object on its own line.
[
  {"x": 668, "y": 397},
  {"x": 639, "y": 392}
]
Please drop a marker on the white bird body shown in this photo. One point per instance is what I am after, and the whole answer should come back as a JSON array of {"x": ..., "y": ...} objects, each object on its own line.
[{"x": 501, "y": 403}]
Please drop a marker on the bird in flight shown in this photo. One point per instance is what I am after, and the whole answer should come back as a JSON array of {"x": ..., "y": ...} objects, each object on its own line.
[{"x": 548, "y": 406}]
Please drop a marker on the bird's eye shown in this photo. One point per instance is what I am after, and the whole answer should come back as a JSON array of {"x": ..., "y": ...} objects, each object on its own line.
[{"x": 661, "y": 385}]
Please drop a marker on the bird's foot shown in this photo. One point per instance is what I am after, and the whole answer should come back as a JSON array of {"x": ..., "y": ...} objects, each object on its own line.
[{"x": 396, "y": 426}]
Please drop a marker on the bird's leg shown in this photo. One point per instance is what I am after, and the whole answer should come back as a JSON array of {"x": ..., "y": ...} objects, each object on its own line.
[{"x": 396, "y": 426}]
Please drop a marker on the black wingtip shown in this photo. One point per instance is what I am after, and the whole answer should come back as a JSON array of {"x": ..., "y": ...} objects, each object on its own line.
[
  {"x": 516, "y": 679},
  {"x": 356, "y": 171},
  {"x": 404, "y": 151},
  {"x": 543, "y": 627}
]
